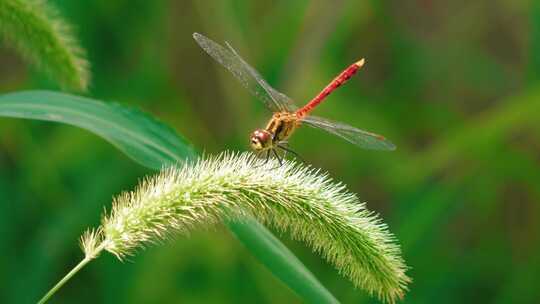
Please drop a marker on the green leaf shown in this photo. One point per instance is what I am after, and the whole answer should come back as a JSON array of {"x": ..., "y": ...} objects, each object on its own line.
[
  {"x": 283, "y": 263},
  {"x": 153, "y": 144},
  {"x": 138, "y": 135}
]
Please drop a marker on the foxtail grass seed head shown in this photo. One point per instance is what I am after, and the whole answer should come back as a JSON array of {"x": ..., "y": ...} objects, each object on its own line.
[
  {"x": 292, "y": 198},
  {"x": 42, "y": 37}
]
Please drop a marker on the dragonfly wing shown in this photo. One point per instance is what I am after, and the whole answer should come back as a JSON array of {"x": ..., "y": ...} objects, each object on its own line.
[
  {"x": 247, "y": 75},
  {"x": 283, "y": 101},
  {"x": 351, "y": 134}
]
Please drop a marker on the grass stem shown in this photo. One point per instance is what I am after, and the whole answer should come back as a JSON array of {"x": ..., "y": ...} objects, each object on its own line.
[{"x": 70, "y": 274}]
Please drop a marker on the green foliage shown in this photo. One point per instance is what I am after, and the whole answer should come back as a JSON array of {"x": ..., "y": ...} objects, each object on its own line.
[
  {"x": 307, "y": 204},
  {"x": 453, "y": 85},
  {"x": 269, "y": 250},
  {"x": 38, "y": 33},
  {"x": 140, "y": 136},
  {"x": 154, "y": 145}
]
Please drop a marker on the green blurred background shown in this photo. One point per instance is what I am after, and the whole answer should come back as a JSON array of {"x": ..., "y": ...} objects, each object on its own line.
[{"x": 454, "y": 84}]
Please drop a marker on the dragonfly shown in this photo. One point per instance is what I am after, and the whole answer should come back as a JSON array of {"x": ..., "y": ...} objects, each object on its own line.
[{"x": 287, "y": 117}]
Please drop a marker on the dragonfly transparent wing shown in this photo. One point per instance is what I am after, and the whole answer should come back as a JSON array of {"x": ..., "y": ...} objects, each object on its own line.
[
  {"x": 351, "y": 134},
  {"x": 247, "y": 75}
]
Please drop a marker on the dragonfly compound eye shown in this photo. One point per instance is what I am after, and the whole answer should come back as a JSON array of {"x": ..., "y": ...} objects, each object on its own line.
[{"x": 260, "y": 139}]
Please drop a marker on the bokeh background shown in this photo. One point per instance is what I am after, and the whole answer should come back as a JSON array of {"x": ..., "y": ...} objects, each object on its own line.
[{"x": 453, "y": 83}]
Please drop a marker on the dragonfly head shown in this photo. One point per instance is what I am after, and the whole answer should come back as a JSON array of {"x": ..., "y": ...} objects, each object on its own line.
[{"x": 260, "y": 140}]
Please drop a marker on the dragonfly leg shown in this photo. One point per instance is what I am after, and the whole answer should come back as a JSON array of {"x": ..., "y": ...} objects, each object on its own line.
[
  {"x": 284, "y": 144},
  {"x": 286, "y": 149},
  {"x": 278, "y": 158}
]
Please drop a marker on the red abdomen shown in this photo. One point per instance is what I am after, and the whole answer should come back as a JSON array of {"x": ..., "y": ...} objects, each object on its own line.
[{"x": 336, "y": 83}]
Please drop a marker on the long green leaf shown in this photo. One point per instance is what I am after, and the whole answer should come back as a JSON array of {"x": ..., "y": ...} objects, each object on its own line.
[
  {"x": 153, "y": 144},
  {"x": 145, "y": 140},
  {"x": 283, "y": 263}
]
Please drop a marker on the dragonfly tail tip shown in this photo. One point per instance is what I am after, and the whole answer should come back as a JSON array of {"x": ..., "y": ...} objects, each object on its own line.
[{"x": 360, "y": 62}]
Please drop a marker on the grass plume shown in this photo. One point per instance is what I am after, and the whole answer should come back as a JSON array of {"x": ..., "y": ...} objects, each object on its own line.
[
  {"x": 292, "y": 198},
  {"x": 35, "y": 30}
]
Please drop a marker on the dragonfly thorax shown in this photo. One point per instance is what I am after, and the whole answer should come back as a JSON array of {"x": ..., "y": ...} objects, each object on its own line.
[
  {"x": 261, "y": 140},
  {"x": 282, "y": 125}
]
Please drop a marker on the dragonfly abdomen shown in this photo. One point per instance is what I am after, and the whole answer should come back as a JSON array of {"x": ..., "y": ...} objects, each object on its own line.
[{"x": 336, "y": 83}]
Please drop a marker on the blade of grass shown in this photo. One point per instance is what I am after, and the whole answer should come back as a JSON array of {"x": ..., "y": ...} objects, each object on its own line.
[
  {"x": 260, "y": 242},
  {"x": 138, "y": 135}
]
